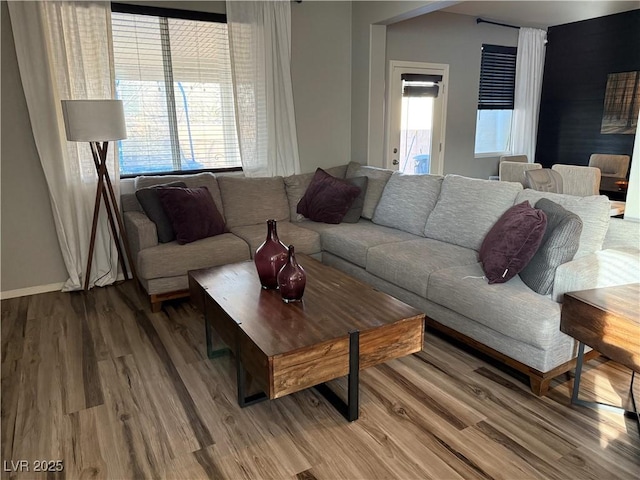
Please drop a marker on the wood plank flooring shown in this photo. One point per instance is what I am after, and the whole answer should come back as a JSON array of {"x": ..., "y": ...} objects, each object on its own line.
[{"x": 114, "y": 391}]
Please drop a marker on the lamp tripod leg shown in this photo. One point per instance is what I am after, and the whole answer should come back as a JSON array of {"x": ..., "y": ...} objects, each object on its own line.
[
  {"x": 112, "y": 224},
  {"x": 94, "y": 226}
]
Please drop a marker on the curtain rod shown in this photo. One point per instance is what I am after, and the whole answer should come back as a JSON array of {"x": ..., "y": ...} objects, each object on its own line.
[{"x": 482, "y": 20}]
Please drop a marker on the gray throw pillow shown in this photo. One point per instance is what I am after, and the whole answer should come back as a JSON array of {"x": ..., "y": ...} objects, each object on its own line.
[
  {"x": 355, "y": 212},
  {"x": 152, "y": 206},
  {"x": 559, "y": 245}
]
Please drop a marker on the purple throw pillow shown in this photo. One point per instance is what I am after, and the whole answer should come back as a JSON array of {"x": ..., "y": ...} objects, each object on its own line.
[
  {"x": 512, "y": 242},
  {"x": 192, "y": 213},
  {"x": 327, "y": 199}
]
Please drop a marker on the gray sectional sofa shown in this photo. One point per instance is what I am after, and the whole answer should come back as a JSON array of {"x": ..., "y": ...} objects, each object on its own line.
[{"x": 418, "y": 240}]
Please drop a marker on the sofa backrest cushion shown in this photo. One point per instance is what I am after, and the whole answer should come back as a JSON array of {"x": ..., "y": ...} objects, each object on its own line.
[
  {"x": 378, "y": 178},
  {"x": 253, "y": 200},
  {"x": 468, "y": 208},
  {"x": 593, "y": 211},
  {"x": 407, "y": 201},
  {"x": 205, "y": 179},
  {"x": 296, "y": 186},
  {"x": 559, "y": 245}
]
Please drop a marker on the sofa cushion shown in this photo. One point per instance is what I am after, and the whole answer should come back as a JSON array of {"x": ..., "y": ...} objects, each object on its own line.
[
  {"x": 152, "y": 206},
  {"x": 205, "y": 179},
  {"x": 355, "y": 212},
  {"x": 409, "y": 264},
  {"x": 171, "y": 259},
  {"x": 305, "y": 240},
  {"x": 593, "y": 211},
  {"x": 192, "y": 213},
  {"x": 378, "y": 178},
  {"x": 512, "y": 242},
  {"x": 296, "y": 185},
  {"x": 351, "y": 241},
  {"x": 559, "y": 245},
  {"x": 407, "y": 201},
  {"x": 327, "y": 198},
  {"x": 468, "y": 208},
  {"x": 511, "y": 308},
  {"x": 252, "y": 201}
]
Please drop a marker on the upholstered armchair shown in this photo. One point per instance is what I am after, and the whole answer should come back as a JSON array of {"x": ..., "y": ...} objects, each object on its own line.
[
  {"x": 514, "y": 171},
  {"x": 514, "y": 158},
  {"x": 578, "y": 180},
  {"x": 610, "y": 165},
  {"x": 543, "y": 180}
]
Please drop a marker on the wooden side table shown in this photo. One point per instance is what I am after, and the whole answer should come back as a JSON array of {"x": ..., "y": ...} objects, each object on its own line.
[{"x": 608, "y": 320}]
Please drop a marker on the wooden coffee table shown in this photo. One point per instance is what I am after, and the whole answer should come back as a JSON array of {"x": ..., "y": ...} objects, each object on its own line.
[
  {"x": 608, "y": 320},
  {"x": 341, "y": 327}
]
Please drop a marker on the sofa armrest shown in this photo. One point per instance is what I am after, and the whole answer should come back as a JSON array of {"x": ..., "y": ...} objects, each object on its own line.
[
  {"x": 141, "y": 231},
  {"x": 605, "y": 268}
]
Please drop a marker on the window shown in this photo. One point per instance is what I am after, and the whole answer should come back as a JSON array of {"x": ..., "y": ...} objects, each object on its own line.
[
  {"x": 173, "y": 74},
  {"x": 495, "y": 99}
]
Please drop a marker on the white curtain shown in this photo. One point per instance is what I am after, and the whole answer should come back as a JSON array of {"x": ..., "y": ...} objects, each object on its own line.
[
  {"x": 64, "y": 52},
  {"x": 260, "y": 45},
  {"x": 529, "y": 70}
]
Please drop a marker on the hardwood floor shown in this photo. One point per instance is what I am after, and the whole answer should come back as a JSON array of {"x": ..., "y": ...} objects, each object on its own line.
[{"x": 115, "y": 391}]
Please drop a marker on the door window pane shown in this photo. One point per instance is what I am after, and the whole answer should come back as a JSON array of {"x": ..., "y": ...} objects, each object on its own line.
[{"x": 415, "y": 134}]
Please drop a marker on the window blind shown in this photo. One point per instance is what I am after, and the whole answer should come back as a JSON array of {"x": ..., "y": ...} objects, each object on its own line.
[
  {"x": 497, "y": 77},
  {"x": 420, "y": 85},
  {"x": 174, "y": 77}
]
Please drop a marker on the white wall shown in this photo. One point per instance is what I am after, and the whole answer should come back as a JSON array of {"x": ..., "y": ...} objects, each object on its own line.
[
  {"x": 321, "y": 72},
  {"x": 456, "y": 40}
]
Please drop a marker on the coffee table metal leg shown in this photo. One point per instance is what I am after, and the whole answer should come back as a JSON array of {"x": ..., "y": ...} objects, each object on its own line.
[
  {"x": 599, "y": 405},
  {"x": 241, "y": 379},
  {"x": 350, "y": 409},
  {"x": 576, "y": 380},
  {"x": 208, "y": 331}
]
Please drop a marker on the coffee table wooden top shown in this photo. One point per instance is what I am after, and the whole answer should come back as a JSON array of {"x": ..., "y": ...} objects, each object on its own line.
[
  {"x": 607, "y": 319},
  {"x": 333, "y": 305}
]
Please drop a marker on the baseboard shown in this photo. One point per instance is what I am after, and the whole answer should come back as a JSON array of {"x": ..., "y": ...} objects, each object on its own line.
[
  {"x": 52, "y": 287},
  {"x": 23, "y": 292}
]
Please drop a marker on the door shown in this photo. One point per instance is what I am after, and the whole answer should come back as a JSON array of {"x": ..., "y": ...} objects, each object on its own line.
[{"x": 417, "y": 99}]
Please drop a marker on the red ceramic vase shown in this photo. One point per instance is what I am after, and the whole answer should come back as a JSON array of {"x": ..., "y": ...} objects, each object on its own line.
[
  {"x": 270, "y": 257},
  {"x": 292, "y": 279}
]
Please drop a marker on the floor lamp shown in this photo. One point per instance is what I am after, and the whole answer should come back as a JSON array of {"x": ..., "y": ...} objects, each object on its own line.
[{"x": 97, "y": 122}]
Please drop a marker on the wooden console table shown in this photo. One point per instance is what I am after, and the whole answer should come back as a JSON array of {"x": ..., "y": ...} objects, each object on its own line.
[{"x": 608, "y": 320}]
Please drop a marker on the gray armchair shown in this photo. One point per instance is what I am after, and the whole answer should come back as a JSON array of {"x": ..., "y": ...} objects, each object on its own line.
[
  {"x": 610, "y": 165},
  {"x": 578, "y": 180},
  {"x": 543, "y": 180},
  {"x": 514, "y": 171}
]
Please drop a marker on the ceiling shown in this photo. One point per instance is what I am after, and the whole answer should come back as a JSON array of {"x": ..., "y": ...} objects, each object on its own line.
[{"x": 541, "y": 14}]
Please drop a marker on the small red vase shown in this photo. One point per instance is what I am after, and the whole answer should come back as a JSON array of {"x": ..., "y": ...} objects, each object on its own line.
[
  {"x": 292, "y": 279},
  {"x": 270, "y": 257}
]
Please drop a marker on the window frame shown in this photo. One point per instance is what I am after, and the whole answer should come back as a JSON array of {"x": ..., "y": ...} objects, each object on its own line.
[
  {"x": 494, "y": 49},
  {"x": 184, "y": 15}
]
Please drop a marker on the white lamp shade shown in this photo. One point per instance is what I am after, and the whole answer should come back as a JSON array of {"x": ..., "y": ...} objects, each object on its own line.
[{"x": 94, "y": 120}]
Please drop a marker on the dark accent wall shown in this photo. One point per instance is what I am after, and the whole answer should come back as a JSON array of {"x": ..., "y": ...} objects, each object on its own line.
[{"x": 578, "y": 59}]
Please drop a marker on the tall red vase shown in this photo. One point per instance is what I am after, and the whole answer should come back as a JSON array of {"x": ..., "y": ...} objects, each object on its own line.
[
  {"x": 270, "y": 257},
  {"x": 292, "y": 279}
]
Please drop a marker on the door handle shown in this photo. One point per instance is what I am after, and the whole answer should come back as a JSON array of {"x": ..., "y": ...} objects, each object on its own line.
[{"x": 395, "y": 162}]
